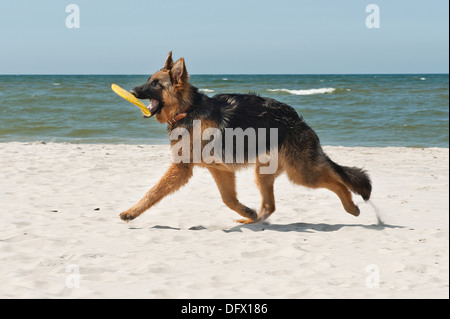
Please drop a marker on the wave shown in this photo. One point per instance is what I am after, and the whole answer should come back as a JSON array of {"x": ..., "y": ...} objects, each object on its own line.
[
  {"x": 206, "y": 90},
  {"x": 305, "y": 92}
]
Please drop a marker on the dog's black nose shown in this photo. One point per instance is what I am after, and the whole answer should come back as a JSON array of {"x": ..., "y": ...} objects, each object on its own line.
[{"x": 133, "y": 92}]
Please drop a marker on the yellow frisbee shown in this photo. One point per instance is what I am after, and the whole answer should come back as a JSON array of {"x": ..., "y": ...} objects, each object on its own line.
[{"x": 131, "y": 98}]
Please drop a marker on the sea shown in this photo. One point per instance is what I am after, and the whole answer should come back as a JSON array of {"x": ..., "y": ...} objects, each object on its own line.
[{"x": 373, "y": 110}]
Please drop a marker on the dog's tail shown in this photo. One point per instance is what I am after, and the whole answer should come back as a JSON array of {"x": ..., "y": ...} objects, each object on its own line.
[{"x": 356, "y": 179}]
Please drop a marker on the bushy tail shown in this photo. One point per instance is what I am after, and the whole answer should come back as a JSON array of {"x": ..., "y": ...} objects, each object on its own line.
[{"x": 356, "y": 179}]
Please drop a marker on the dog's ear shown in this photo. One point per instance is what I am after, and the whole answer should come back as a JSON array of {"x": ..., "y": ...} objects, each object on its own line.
[
  {"x": 179, "y": 73},
  {"x": 169, "y": 62}
]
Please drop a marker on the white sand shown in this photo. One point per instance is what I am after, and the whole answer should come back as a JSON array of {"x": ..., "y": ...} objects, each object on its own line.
[{"x": 188, "y": 246}]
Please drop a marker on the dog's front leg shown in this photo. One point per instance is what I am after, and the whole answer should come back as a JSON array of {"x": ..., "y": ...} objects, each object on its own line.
[
  {"x": 226, "y": 182},
  {"x": 176, "y": 176}
]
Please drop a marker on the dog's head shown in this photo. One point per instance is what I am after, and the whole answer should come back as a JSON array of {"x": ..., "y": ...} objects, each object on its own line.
[{"x": 167, "y": 90}]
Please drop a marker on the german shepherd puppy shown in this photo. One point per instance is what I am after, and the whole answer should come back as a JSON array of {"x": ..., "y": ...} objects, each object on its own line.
[{"x": 173, "y": 100}]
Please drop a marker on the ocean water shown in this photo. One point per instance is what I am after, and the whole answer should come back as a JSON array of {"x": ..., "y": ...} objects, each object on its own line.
[{"x": 349, "y": 110}]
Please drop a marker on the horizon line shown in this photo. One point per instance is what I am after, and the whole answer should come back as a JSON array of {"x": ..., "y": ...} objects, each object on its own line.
[{"x": 139, "y": 74}]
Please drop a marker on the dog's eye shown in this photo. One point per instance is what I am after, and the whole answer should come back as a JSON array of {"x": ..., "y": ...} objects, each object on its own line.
[{"x": 155, "y": 83}]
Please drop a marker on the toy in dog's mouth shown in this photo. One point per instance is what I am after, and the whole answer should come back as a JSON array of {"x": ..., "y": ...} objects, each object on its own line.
[
  {"x": 153, "y": 107},
  {"x": 146, "y": 110}
]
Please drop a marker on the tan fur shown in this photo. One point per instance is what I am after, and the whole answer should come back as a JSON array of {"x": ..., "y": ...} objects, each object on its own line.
[
  {"x": 226, "y": 182},
  {"x": 175, "y": 97},
  {"x": 176, "y": 176},
  {"x": 320, "y": 176}
]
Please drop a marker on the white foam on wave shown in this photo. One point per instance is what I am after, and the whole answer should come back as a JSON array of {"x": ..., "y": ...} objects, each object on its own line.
[
  {"x": 305, "y": 92},
  {"x": 206, "y": 90}
]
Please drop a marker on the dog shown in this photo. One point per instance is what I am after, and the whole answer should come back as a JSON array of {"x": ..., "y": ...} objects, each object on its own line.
[{"x": 177, "y": 103}]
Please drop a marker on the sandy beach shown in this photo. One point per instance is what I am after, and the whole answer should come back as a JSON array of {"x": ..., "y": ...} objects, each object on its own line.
[{"x": 61, "y": 236}]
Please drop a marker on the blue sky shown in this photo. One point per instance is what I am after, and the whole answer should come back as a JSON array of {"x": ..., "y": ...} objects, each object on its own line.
[{"x": 224, "y": 37}]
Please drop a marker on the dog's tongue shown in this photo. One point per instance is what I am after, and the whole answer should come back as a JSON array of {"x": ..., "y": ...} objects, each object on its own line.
[{"x": 153, "y": 105}]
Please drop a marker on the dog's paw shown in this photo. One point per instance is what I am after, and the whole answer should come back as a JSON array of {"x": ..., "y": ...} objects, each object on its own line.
[
  {"x": 357, "y": 211},
  {"x": 354, "y": 211},
  {"x": 126, "y": 216},
  {"x": 246, "y": 221}
]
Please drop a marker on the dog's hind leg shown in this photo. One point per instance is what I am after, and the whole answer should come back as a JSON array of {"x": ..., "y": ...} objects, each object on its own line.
[
  {"x": 226, "y": 182},
  {"x": 176, "y": 176},
  {"x": 323, "y": 176},
  {"x": 344, "y": 195}
]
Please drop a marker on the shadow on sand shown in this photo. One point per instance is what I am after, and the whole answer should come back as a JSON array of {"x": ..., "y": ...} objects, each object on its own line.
[
  {"x": 294, "y": 227},
  {"x": 306, "y": 227}
]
